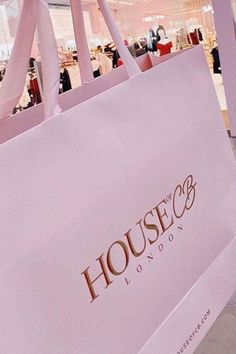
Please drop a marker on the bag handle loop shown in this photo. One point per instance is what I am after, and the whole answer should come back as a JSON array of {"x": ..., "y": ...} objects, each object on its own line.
[
  {"x": 82, "y": 46},
  {"x": 129, "y": 62},
  {"x": 85, "y": 66},
  {"x": 36, "y": 12},
  {"x": 32, "y": 12},
  {"x": 50, "y": 60},
  {"x": 14, "y": 78}
]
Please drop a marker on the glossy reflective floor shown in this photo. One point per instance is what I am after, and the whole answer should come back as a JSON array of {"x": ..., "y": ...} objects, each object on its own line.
[{"x": 221, "y": 339}]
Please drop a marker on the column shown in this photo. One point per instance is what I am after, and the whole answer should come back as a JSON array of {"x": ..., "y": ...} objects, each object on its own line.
[{"x": 224, "y": 24}]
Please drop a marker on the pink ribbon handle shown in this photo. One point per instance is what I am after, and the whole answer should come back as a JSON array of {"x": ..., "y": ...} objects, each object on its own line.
[
  {"x": 85, "y": 66},
  {"x": 14, "y": 78},
  {"x": 32, "y": 12},
  {"x": 36, "y": 11},
  {"x": 82, "y": 46},
  {"x": 50, "y": 60},
  {"x": 129, "y": 62}
]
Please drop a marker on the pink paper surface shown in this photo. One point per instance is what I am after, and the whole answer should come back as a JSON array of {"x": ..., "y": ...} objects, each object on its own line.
[{"x": 72, "y": 187}]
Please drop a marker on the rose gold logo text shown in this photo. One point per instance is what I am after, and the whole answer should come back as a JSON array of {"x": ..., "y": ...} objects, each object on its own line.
[{"x": 145, "y": 234}]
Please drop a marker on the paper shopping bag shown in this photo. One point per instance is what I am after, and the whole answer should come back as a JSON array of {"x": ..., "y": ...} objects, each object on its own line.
[{"x": 118, "y": 219}]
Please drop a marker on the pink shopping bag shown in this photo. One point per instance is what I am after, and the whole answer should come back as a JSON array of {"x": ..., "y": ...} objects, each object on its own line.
[
  {"x": 118, "y": 225},
  {"x": 17, "y": 67}
]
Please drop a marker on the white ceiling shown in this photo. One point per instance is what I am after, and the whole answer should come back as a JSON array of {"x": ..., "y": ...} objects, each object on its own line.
[
  {"x": 165, "y": 6},
  {"x": 158, "y": 5}
]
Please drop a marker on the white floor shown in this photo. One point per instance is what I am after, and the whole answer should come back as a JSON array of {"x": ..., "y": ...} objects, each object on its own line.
[{"x": 221, "y": 339}]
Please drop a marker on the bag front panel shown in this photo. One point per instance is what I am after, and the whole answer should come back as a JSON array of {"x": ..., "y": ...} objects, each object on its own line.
[{"x": 125, "y": 185}]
